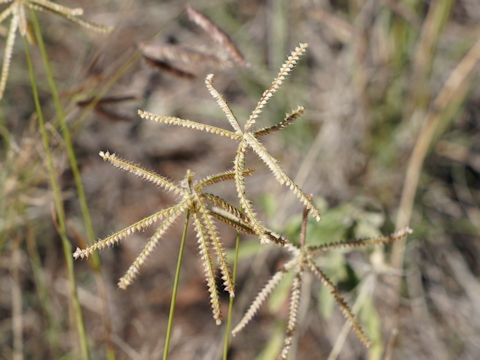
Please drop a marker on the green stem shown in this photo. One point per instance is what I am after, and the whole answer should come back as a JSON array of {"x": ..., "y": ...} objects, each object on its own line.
[
  {"x": 95, "y": 259},
  {"x": 175, "y": 287},
  {"x": 66, "y": 136},
  {"x": 230, "y": 304},
  {"x": 67, "y": 249}
]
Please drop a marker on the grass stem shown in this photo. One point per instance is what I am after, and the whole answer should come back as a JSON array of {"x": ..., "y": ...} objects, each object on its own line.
[
  {"x": 67, "y": 249},
  {"x": 230, "y": 303},
  {"x": 175, "y": 288},
  {"x": 95, "y": 259}
]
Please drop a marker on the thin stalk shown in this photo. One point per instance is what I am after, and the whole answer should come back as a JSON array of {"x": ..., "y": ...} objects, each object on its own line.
[
  {"x": 67, "y": 138},
  {"x": 67, "y": 249},
  {"x": 175, "y": 287},
  {"x": 230, "y": 303},
  {"x": 95, "y": 259}
]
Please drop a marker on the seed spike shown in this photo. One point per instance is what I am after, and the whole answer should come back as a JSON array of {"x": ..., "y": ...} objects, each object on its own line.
[
  {"x": 284, "y": 71},
  {"x": 170, "y": 120}
]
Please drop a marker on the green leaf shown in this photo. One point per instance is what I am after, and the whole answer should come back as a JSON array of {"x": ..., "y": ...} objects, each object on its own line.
[
  {"x": 274, "y": 345},
  {"x": 370, "y": 319},
  {"x": 246, "y": 250}
]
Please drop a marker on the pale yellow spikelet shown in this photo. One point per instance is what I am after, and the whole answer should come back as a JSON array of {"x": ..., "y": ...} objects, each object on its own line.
[
  {"x": 284, "y": 70},
  {"x": 224, "y": 176},
  {"x": 208, "y": 269},
  {"x": 340, "y": 301},
  {"x": 280, "y": 174},
  {"x": 397, "y": 235},
  {"x": 292, "y": 317},
  {"x": 262, "y": 296},
  {"x": 141, "y": 172},
  {"x": 222, "y": 104},
  {"x": 239, "y": 168},
  {"x": 133, "y": 270},
  {"x": 119, "y": 235},
  {"x": 7, "y": 57},
  {"x": 289, "y": 120},
  {"x": 58, "y": 8},
  {"x": 170, "y": 120},
  {"x": 221, "y": 256}
]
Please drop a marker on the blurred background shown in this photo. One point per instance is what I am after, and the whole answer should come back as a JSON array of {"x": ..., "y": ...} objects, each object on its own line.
[{"x": 391, "y": 94}]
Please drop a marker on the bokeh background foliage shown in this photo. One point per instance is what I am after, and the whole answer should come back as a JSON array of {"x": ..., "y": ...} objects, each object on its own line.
[{"x": 375, "y": 73}]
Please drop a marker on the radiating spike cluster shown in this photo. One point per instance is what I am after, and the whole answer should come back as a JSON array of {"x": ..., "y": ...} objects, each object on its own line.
[
  {"x": 400, "y": 234},
  {"x": 284, "y": 70},
  {"x": 208, "y": 269},
  {"x": 133, "y": 270},
  {"x": 222, "y": 104},
  {"x": 292, "y": 316},
  {"x": 341, "y": 302},
  {"x": 141, "y": 172},
  {"x": 19, "y": 20},
  {"x": 170, "y": 120},
  {"x": 280, "y": 174},
  {"x": 289, "y": 120},
  {"x": 138, "y": 226}
]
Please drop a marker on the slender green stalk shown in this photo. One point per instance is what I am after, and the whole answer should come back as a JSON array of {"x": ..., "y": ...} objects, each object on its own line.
[
  {"x": 66, "y": 136},
  {"x": 175, "y": 287},
  {"x": 67, "y": 249},
  {"x": 95, "y": 259},
  {"x": 230, "y": 304}
]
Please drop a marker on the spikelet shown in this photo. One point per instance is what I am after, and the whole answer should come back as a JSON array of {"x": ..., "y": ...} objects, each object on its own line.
[
  {"x": 221, "y": 256},
  {"x": 340, "y": 301},
  {"x": 400, "y": 234},
  {"x": 234, "y": 223},
  {"x": 292, "y": 316},
  {"x": 289, "y": 120},
  {"x": 133, "y": 270},
  {"x": 170, "y": 120},
  {"x": 259, "y": 300},
  {"x": 58, "y": 8},
  {"x": 138, "y": 226},
  {"x": 208, "y": 269},
  {"x": 224, "y": 176},
  {"x": 34, "y": 5},
  {"x": 284, "y": 70},
  {"x": 7, "y": 57},
  {"x": 141, "y": 172},
  {"x": 239, "y": 168},
  {"x": 280, "y": 174},
  {"x": 222, "y": 104}
]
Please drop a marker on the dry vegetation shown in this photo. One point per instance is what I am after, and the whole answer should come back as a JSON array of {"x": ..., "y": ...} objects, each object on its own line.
[{"x": 389, "y": 138}]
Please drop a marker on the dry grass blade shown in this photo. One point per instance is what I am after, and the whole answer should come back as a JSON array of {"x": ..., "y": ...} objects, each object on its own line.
[
  {"x": 170, "y": 69},
  {"x": 216, "y": 34}
]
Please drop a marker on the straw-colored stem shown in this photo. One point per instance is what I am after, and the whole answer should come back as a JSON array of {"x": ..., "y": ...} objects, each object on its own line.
[
  {"x": 67, "y": 249},
  {"x": 175, "y": 287},
  {"x": 230, "y": 303}
]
